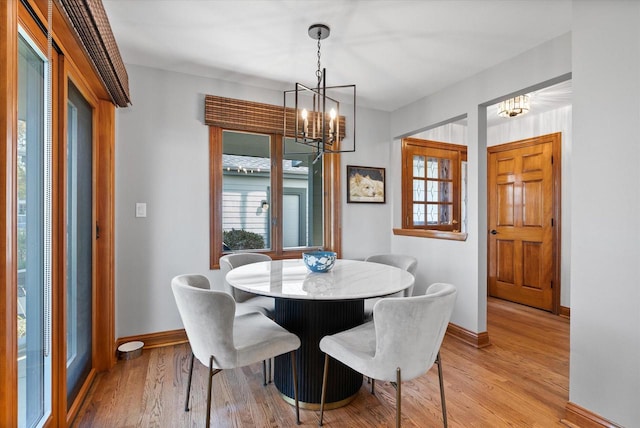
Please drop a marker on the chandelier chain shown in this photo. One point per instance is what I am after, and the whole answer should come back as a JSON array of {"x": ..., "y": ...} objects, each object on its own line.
[{"x": 318, "y": 71}]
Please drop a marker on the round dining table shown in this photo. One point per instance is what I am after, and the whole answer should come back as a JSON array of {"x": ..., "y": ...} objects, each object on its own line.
[{"x": 313, "y": 305}]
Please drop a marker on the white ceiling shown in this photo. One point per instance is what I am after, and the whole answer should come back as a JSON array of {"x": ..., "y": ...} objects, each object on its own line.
[{"x": 395, "y": 51}]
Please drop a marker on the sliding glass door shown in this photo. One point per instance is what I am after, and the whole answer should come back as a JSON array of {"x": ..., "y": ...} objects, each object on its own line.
[
  {"x": 58, "y": 305},
  {"x": 79, "y": 226},
  {"x": 33, "y": 237}
]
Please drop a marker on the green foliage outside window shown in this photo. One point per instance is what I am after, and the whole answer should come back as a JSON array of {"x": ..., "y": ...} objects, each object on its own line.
[{"x": 240, "y": 239}]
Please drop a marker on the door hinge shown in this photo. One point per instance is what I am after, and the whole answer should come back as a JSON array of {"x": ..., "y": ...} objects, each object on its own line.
[
  {"x": 551, "y": 222},
  {"x": 552, "y": 284},
  {"x": 97, "y": 231},
  {"x": 551, "y": 159}
]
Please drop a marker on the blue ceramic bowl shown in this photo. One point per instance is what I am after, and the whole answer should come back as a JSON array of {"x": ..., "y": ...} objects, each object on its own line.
[{"x": 319, "y": 261}]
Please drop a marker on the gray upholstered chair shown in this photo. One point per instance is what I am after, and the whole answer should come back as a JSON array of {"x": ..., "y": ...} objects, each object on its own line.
[
  {"x": 202, "y": 282},
  {"x": 221, "y": 340},
  {"x": 401, "y": 343},
  {"x": 246, "y": 302},
  {"x": 406, "y": 262}
]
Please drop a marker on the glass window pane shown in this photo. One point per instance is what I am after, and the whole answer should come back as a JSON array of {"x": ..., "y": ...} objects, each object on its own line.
[
  {"x": 444, "y": 172},
  {"x": 418, "y": 190},
  {"x": 432, "y": 168},
  {"x": 302, "y": 199},
  {"x": 34, "y": 358},
  {"x": 418, "y": 166},
  {"x": 445, "y": 214},
  {"x": 79, "y": 241},
  {"x": 432, "y": 214},
  {"x": 418, "y": 214},
  {"x": 246, "y": 191},
  {"x": 445, "y": 191},
  {"x": 432, "y": 191}
]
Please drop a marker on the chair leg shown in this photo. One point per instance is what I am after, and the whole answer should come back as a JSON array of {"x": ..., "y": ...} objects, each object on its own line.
[
  {"x": 444, "y": 404},
  {"x": 373, "y": 385},
  {"x": 295, "y": 385},
  {"x": 212, "y": 373},
  {"x": 398, "y": 397},
  {"x": 186, "y": 402},
  {"x": 324, "y": 386},
  {"x": 269, "y": 370},
  {"x": 208, "y": 424},
  {"x": 264, "y": 372}
]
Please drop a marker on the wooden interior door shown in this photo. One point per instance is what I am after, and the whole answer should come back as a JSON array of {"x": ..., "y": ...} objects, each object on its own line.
[{"x": 523, "y": 192}]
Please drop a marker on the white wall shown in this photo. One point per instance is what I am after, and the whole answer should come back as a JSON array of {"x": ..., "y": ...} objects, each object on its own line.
[
  {"x": 605, "y": 262},
  {"x": 465, "y": 263},
  {"x": 162, "y": 159},
  {"x": 365, "y": 226}
]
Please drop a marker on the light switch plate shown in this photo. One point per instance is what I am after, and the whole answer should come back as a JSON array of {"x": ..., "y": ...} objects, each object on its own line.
[{"x": 141, "y": 209}]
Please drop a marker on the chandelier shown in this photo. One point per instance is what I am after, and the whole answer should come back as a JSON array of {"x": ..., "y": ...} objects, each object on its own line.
[
  {"x": 312, "y": 115},
  {"x": 514, "y": 106}
]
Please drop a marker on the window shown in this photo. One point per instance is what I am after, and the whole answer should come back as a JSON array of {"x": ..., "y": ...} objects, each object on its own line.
[
  {"x": 432, "y": 185},
  {"x": 249, "y": 183},
  {"x": 268, "y": 194}
]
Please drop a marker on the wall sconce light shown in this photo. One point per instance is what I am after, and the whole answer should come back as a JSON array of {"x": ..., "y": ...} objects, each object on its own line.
[{"x": 264, "y": 205}]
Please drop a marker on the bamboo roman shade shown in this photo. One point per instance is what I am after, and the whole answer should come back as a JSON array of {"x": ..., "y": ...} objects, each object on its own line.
[
  {"x": 89, "y": 20},
  {"x": 244, "y": 115}
]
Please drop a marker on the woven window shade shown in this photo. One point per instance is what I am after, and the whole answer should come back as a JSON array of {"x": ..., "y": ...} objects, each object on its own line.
[
  {"x": 243, "y": 115},
  {"x": 89, "y": 20}
]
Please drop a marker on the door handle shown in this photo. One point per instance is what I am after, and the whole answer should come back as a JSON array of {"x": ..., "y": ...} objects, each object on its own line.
[{"x": 494, "y": 232}]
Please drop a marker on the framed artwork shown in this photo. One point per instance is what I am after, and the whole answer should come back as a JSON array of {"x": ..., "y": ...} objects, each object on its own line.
[{"x": 365, "y": 184}]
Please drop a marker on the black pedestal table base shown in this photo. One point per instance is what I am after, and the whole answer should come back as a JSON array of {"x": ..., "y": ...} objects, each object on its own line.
[{"x": 311, "y": 320}]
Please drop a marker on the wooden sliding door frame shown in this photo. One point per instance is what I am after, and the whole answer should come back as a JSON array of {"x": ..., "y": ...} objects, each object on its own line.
[
  {"x": 8, "y": 213},
  {"x": 69, "y": 63},
  {"x": 70, "y": 73}
]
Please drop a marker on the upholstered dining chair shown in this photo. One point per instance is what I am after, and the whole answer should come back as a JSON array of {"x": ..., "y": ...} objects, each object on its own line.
[
  {"x": 221, "y": 340},
  {"x": 246, "y": 302},
  {"x": 401, "y": 343},
  {"x": 402, "y": 261},
  {"x": 202, "y": 282}
]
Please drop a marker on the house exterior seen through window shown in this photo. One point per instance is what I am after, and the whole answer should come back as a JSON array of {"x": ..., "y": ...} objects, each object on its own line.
[{"x": 266, "y": 192}]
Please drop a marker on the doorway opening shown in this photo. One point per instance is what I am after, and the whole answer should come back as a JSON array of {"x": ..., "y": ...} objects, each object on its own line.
[{"x": 526, "y": 261}]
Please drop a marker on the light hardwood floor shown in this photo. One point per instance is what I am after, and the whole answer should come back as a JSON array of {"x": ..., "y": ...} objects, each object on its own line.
[{"x": 520, "y": 380}]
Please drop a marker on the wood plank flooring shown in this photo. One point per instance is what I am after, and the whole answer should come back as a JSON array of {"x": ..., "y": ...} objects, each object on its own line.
[{"x": 520, "y": 380}]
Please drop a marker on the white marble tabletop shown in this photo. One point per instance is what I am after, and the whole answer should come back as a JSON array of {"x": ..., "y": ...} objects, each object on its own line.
[{"x": 349, "y": 279}]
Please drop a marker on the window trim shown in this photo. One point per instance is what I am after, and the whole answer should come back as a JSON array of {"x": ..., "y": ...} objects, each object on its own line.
[
  {"x": 331, "y": 203},
  {"x": 409, "y": 146}
]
